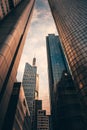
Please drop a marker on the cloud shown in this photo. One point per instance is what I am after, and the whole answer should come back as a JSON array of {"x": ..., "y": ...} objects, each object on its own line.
[{"x": 41, "y": 25}]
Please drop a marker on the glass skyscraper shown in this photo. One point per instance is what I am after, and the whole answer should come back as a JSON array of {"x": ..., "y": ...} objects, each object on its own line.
[
  {"x": 56, "y": 65},
  {"x": 56, "y": 61},
  {"x": 13, "y": 30},
  {"x": 30, "y": 84},
  {"x": 66, "y": 110},
  {"x": 69, "y": 113},
  {"x": 71, "y": 21}
]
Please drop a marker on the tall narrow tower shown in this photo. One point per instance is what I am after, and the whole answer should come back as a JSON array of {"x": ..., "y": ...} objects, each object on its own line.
[
  {"x": 56, "y": 64},
  {"x": 34, "y": 61},
  {"x": 13, "y": 30},
  {"x": 31, "y": 84}
]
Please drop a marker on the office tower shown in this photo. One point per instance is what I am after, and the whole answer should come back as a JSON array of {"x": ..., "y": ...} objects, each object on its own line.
[
  {"x": 42, "y": 120},
  {"x": 13, "y": 30},
  {"x": 69, "y": 115},
  {"x": 56, "y": 60},
  {"x": 63, "y": 84},
  {"x": 17, "y": 115},
  {"x": 71, "y": 21},
  {"x": 29, "y": 84},
  {"x": 56, "y": 65},
  {"x": 37, "y": 106}
]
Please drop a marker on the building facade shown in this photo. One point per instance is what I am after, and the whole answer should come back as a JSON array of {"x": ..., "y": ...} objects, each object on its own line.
[
  {"x": 69, "y": 113},
  {"x": 37, "y": 105},
  {"x": 6, "y": 6},
  {"x": 42, "y": 120},
  {"x": 30, "y": 84},
  {"x": 66, "y": 110},
  {"x": 71, "y": 21},
  {"x": 56, "y": 59},
  {"x": 18, "y": 115},
  {"x": 56, "y": 65},
  {"x": 13, "y": 30}
]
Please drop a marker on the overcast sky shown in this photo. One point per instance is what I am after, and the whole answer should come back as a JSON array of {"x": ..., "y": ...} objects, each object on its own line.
[{"x": 42, "y": 24}]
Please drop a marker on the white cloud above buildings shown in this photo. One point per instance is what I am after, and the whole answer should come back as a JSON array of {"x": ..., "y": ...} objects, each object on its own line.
[{"x": 42, "y": 24}]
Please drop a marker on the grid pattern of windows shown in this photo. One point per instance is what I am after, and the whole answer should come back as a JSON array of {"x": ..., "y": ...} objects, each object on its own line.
[
  {"x": 42, "y": 120},
  {"x": 56, "y": 64},
  {"x": 29, "y": 84},
  {"x": 71, "y": 21},
  {"x": 21, "y": 111}
]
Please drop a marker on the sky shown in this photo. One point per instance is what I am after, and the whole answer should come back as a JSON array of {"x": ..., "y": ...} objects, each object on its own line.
[{"x": 42, "y": 24}]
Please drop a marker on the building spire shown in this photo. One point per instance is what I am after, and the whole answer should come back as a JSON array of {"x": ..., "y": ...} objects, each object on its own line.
[{"x": 34, "y": 61}]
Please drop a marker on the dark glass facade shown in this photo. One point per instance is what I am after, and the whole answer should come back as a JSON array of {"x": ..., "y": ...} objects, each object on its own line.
[
  {"x": 71, "y": 21},
  {"x": 56, "y": 61},
  {"x": 13, "y": 29},
  {"x": 56, "y": 65},
  {"x": 69, "y": 114},
  {"x": 66, "y": 110},
  {"x": 37, "y": 105}
]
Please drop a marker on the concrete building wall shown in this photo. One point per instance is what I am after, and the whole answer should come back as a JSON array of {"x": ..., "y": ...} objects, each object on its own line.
[
  {"x": 13, "y": 32},
  {"x": 17, "y": 115}
]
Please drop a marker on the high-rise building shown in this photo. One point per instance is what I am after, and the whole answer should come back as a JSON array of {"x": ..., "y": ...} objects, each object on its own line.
[
  {"x": 17, "y": 115},
  {"x": 30, "y": 84},
  {"x": 64, "y": 107},
  {"x": 37, "y": 106},
  {"x": 42, "y": 120},
  {"x": 71, "y": 21},
  {"x": 56, "y": 65},
  {"x": 69, "y": 114},
  {"x": 56, "y": 59},
  {"x": 13, "y": 30}
]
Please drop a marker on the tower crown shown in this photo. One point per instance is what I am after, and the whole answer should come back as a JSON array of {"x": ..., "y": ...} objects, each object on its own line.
[{"x": 34, "y": 61}]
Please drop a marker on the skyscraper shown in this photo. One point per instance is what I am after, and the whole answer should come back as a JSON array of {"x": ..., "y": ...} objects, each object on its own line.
[
  {"x": 56, "y": 62},
  {"x": 66, "y": 110},
  {"x": 71, "y": 21},
  {"x": 56, "y": 65},
  {"x": 13, "y": 29},
  {"x": 69, "y": 114},
  {"x": 30, "y": 84},
  {"x": 37, "y": 106},
  {"x": 42, "y": 120}
]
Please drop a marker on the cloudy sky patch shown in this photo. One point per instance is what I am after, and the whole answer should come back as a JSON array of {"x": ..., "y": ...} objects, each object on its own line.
[{"x": 42, "y": 24}]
